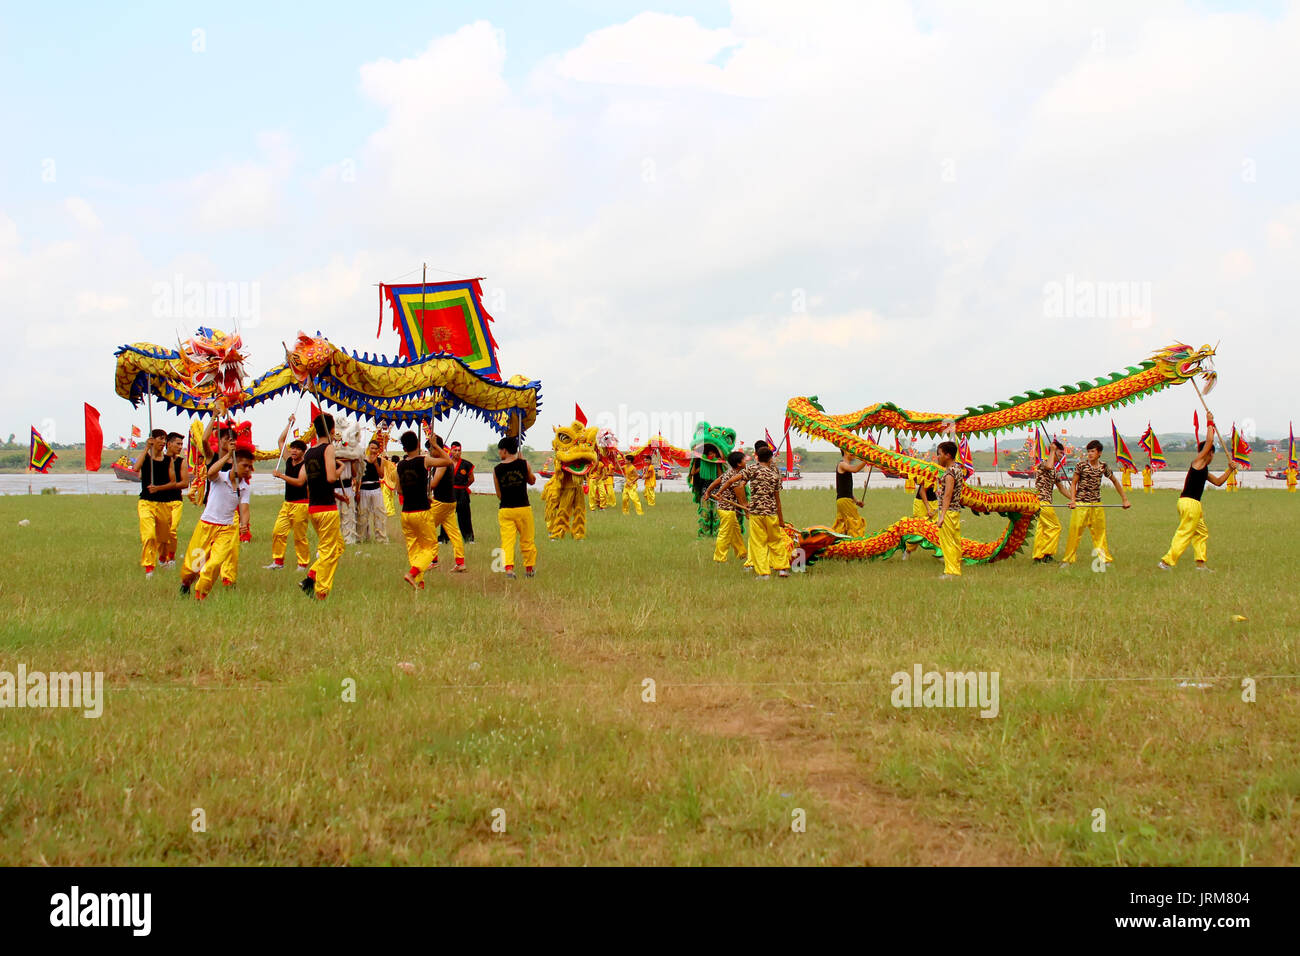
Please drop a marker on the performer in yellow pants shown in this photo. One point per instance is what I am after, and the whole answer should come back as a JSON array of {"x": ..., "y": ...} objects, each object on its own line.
[
  {"x": 1191, "y": 518},
  {"x": 1147, "y": 479},
  {"x": 1085, "y": 501},
  {"x": 220, "y": 542},
  {"x": 630, "y": 475},
  {"x": 517, "y": 523},
  {"x": 610, "y": 498},
  {"x": 948, "y": 518},
  {"x": 329, "y": 547},
  {"x": 1046, "y": 481},
  {"x": 292, "y": 518},
  {"x": 731, "y": 536},
  {"x": 151, "y": 510},
  {"x": 923, "y": 503},
  {"x": 596, "y": 487},
  {"x": 769, "y": 548},
  {"x": 155, "y": 523},
  {"x": 511, "y": 479},
  {"x": 176, "y": 509},
  {"x": 1088, "y": 518},
  {"x": 444, "y": 517},
  {"x": 1126, "y": 478},
  {"x": 421, "y": 535},
  {"x": 650, "y": 479}
]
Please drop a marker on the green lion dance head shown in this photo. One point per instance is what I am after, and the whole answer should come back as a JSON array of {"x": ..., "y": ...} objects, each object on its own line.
[{"x": 712, "y": 444}]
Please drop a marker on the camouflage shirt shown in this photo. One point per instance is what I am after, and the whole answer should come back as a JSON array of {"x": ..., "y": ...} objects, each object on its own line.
[
  {"x": 727, "y": 499},
  {"x": 763, "y": 481},
  {"x": 1045, "y": 481},
  {"x": 959, "y": 482},
  {"x": 1090, "y": 476}
]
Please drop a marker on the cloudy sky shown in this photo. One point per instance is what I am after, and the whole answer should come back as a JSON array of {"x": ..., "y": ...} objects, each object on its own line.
[{"x": 682, "y": 210}]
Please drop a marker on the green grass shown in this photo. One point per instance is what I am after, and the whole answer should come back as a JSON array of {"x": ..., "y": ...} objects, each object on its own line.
[{"x": 527, "y": 696}]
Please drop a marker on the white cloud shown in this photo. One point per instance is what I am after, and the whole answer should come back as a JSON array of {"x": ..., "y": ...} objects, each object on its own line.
[{"x": 82, "y": 213}]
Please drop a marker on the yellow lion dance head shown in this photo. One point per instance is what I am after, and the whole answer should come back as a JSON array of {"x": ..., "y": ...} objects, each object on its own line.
[{"x": 575, "y": 449}]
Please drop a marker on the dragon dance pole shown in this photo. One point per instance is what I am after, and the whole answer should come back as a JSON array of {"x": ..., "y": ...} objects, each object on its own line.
[
  {"x": 284, "y": 444},
  {"x": 1209, "y": 415}
]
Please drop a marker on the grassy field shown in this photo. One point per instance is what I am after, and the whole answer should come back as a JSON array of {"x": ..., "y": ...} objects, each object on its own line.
[{"x": 526, "y": 697}]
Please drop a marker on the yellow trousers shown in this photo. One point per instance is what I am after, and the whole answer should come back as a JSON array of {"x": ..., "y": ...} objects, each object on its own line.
[
  {"x": 219, "y": 542},
  {"x": 650, "y": 490},
  {"x": 595, "y": 494},
  {"x": 729, "y": 537},
  {"x": 169, "y": 550},
  {"x": 421, "y": 534},
  {"x": 1048, "y": 535},
  {"x": 329, "y": 549},
  {"x": 847, "y": 519},
  {"x": 609, "y": 492},
  {"x": 1191, "y": 530},
  {"x": 918, "y": 511},
  {"x": 769, "y": 548},
  {"x": 1094, "y": 520},
  {"x": 950, "y": 542},
  {"x": 155, "y": 523},
  {"x": 444, "y": 517},
  {"x": 517, "y": 522},
  {"x": 631, "y": 497},
  {"x": 292, "y": 517}
]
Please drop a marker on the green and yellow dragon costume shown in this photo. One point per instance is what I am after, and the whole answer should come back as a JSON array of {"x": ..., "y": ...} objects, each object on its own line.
[
  {"x": 710, "y": 446},
  {"x": 211, "y": 364},
  {"x": 1172, "y": 365}
]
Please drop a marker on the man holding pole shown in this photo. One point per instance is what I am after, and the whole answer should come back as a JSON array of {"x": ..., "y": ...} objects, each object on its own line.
[
  {"x": 1085, "y": 502},
  {"x": 1191, "y": 518}
]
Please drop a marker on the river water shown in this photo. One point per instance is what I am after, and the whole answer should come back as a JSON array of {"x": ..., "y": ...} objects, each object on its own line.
[{"x": 264, "y": 484}]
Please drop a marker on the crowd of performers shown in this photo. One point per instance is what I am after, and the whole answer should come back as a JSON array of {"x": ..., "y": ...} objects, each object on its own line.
[{"x": 350, "y": 500}]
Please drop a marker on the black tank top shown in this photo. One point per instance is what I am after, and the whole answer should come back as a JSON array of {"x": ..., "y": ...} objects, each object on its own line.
[
  {"x": 294, "y": 493},
  {"x": 413, "y": 480},
  {"x": 843, "y": 484},
  {"x": 1194, "y": 486},
  {"x": 320, "y": 493},
  {"x": 444, "y": 491},
  {"x": 926, "y": 493},
  {"x": 152, "y": 473},
  {"x": 370, "y": 477},
  {"x": 174, "y": 473},
  {"x": 512, "y": 477}
]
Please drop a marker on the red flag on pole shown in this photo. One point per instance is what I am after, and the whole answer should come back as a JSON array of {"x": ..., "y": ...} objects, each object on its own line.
[
  {"x": 995, "y": 451},
  {"x": 1196, "y": 426},
  {"x": 789, "y": 447},
  {"x": 578, "y": 415},
  {"x": 94, "y": 439}
]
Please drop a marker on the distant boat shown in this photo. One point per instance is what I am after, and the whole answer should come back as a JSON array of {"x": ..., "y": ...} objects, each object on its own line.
[
  {"x": 1021, "y": 474},
  {"x": 124, "y": 470},
  {"x": 793, "y": 475}
]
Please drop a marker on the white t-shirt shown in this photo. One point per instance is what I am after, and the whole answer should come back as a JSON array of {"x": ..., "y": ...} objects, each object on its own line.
[{"x": 222, "y": 499}]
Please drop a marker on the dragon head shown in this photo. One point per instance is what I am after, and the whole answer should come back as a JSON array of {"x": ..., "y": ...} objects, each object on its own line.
[
  {"x": 212, "y": 363},
  {"x": 713, "y": 443},
  {"x": 1181, "y": 362},
  {"x": 308, "y": 356},
  {"x": 575, "y": 448}
]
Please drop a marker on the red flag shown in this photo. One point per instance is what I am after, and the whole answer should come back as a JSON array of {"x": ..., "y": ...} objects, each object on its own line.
[
  {"x": 1196, "y": 426},
  {"x": 995, "y": 451},
  {"x": 135, "y": 431},
  {"x": 315, "y": 414},
  {"x": 578, "y": 415},
  {"x": 94, "y": 439},
  {"x": 789, "y": 447}
]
